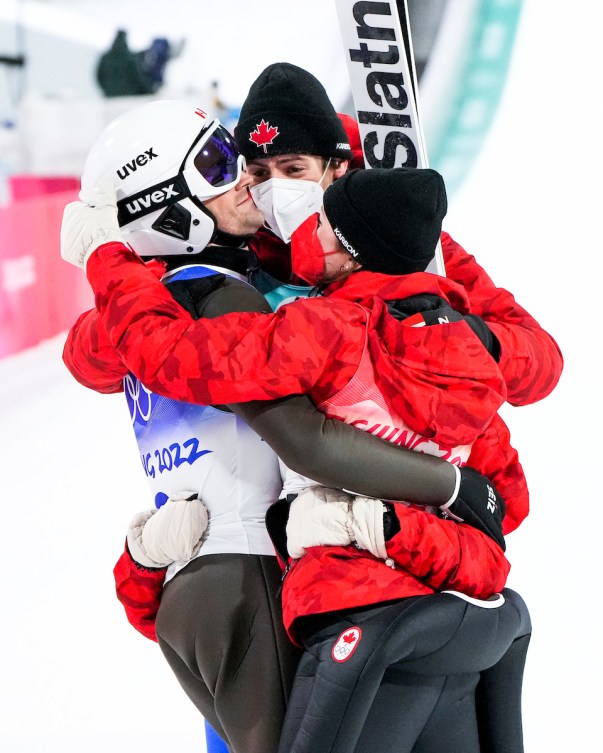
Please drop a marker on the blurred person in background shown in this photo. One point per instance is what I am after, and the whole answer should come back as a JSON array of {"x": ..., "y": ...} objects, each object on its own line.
[{"x": 121, "y": 72}]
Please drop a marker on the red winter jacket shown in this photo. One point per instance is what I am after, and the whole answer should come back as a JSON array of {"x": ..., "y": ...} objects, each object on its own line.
[
  {"x": 530, "y": 362},
  {"x": 292, "y": 351},
  {"x": 90, "y": 356},
  {"x": 139, "y": 590}
]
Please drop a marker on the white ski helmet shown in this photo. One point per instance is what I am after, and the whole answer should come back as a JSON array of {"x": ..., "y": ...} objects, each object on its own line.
[{"x": 164, "y": 158}]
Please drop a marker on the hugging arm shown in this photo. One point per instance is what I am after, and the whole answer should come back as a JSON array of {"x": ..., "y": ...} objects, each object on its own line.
[
  {"x": 338, "y": 455},
  {"x": 326, "y": 450}
]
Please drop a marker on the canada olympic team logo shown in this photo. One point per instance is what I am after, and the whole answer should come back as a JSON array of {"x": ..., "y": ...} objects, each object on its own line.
[{"x": 346, "y": 644}]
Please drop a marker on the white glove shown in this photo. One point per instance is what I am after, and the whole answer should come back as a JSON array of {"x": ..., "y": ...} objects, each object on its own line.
[
  {"x": 85, "y": 228},
  {"x": 156, "y": 538},
  {"x": 318, "y": 516},
  {"x": 367, "y": 525}
]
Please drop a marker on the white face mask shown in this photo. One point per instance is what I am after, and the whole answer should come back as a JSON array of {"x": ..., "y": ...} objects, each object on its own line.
[{"x": 286, "y": 203}]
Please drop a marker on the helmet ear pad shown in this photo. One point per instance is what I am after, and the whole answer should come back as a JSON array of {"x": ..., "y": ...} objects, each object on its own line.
[
  {"x": 174, "y": 221},
  {"x": 184, "y": 227}
]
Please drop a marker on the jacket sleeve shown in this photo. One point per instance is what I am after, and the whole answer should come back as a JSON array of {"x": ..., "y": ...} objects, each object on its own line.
[
  {"x": 238, "y": 357},
  {"x": 447, "y": 555},
  {"x": 89, "y": 355},
  {"x": 91, "y": 358},
  {"x": 341, "y": 456},
  {"x": 531, "y": 361},
  {"x": 327, "y": 450},
  {"x": 494, "y": 456},
  {"x": 139, "y": 591}
]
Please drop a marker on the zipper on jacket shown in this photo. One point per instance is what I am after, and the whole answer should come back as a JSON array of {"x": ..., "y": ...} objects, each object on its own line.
[
  {"x": 283, "y": 576},
  {"x": 276, "y": 525}
]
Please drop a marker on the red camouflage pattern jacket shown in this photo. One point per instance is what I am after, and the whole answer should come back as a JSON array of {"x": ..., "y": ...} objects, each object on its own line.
[
  {"x": 531, "y": 361},
  {"x": 516, "y": 316}
]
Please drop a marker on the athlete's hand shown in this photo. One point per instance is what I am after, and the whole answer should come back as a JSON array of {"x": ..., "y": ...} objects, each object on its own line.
[
  {"x": 485, "y": 334},
  {"x": 428, "y": 309},
  {"x": 85, "y": 227},
  {"x": 319, "y": 516},
  {"x": 173, "y": 533},
  {"x": 478, "y": 503},
  {"x": 368, "y": 525},
  {"x": 330, "y": 517}
]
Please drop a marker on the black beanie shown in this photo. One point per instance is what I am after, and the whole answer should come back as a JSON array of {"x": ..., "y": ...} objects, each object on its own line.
[
  {"x": 390, "y": 220},
  {"x": 287, "y": 111}
]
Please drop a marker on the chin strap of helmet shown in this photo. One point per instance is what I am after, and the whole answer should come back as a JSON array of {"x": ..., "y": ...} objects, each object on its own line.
[{"x": 220, "y": 238}]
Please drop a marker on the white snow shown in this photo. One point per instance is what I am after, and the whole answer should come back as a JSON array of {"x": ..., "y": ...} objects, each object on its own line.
[{"x": 76, "y": 677}]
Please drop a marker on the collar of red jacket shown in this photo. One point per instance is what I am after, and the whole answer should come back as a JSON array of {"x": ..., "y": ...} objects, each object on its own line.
[{"x": 361, "y": 286}]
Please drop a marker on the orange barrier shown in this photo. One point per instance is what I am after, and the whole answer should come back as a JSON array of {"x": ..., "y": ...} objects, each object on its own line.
[{"x": 40, "y": 294}]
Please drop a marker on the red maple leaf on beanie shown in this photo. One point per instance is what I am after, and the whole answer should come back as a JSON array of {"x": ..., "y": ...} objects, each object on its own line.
[
  {"x": 264, "y": 134},
  {"x": 350, "y": 638}
]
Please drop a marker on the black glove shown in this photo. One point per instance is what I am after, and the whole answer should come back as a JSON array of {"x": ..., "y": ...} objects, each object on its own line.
[
  {"x": 435, "y": 310},
  {"x": 428, "y": 305},
  {"x": 479, "y": 504},
  {"x": 391, "y": 524},
  {"x": 485, "y": 334}
]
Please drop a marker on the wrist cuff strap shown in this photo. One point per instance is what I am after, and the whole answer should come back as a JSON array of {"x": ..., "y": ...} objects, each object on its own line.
[{"x": 457, "y": 486}]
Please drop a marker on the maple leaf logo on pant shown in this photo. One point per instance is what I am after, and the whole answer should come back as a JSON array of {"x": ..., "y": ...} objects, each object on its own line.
[{"x": 346, "y": 644}]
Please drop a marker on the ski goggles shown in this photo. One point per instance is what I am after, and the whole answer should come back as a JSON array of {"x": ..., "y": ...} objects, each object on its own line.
[{"x": 213, "y": 164}]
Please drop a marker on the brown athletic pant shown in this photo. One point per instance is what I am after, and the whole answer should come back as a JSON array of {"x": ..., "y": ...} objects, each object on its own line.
[{"x": 220, "y": 628}]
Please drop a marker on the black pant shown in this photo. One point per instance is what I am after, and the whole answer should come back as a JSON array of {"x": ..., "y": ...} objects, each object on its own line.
[
  {"x": 220, "y": 628},
  {"x": 423, "y": 670}
]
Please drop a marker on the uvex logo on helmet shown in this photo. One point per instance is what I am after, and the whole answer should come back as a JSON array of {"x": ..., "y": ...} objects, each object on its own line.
[
  {"x": 139, "y": 161},
  {"x": 150, "y": 200}
]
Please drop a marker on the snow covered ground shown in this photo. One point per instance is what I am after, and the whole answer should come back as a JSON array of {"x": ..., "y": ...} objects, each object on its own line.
[{"x": 76, "y": 677}]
